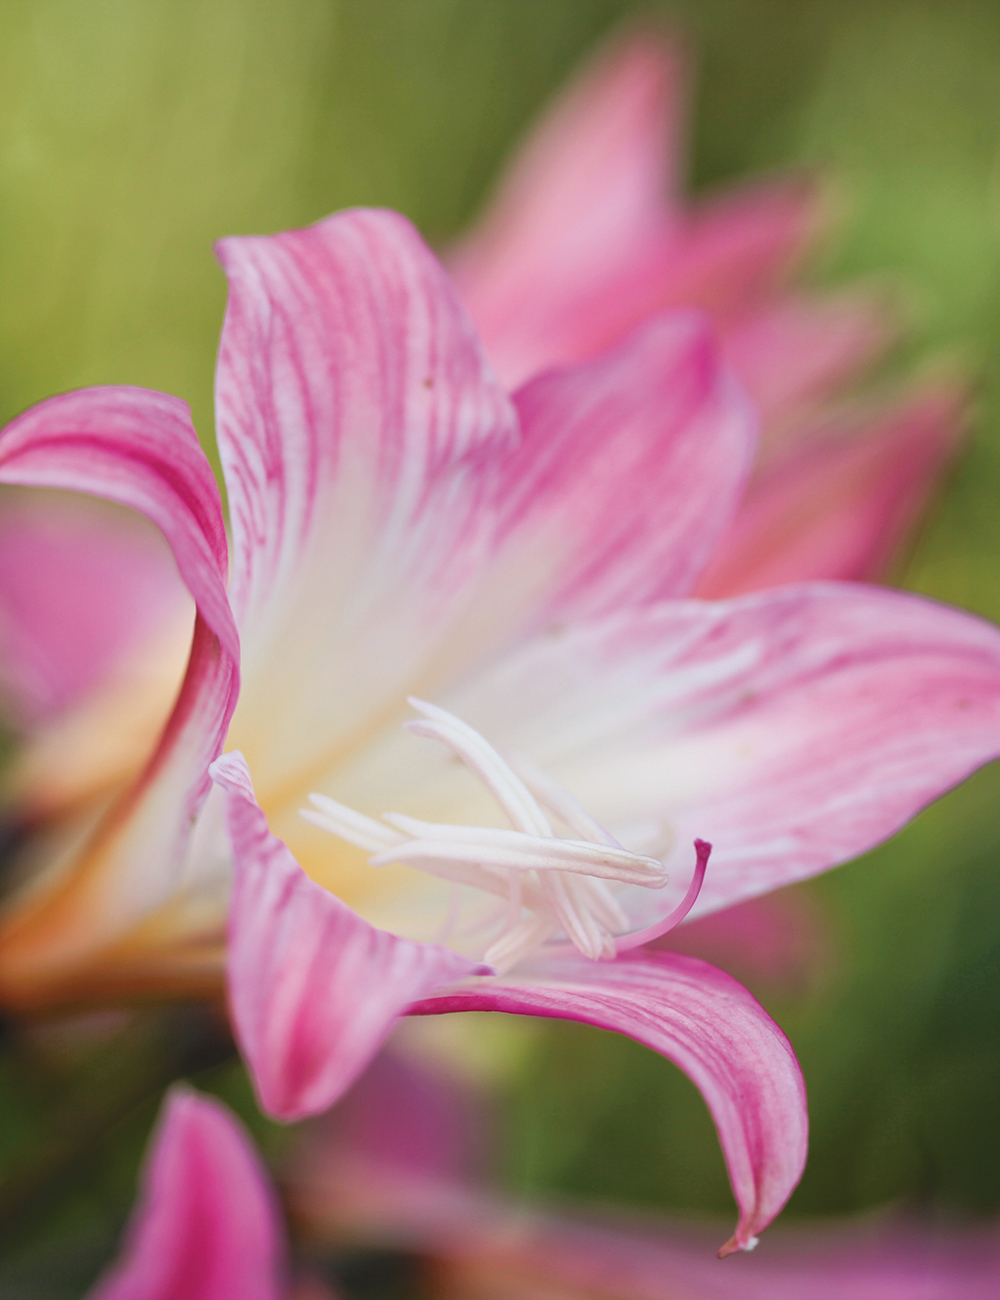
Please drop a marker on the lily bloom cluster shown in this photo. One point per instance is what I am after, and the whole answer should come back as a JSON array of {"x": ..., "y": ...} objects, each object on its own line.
[{"x": 403, "y": 527}]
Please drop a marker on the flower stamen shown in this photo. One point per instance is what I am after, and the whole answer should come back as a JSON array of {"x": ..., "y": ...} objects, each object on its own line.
[{"x": 551, "y": 884}]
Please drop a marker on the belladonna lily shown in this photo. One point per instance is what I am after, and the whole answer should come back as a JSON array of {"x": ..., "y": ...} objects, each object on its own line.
[
  {"x": 399, "y": 525},
  {"x": 587, "y": 238},
  {"x": 589, "y": 233}
]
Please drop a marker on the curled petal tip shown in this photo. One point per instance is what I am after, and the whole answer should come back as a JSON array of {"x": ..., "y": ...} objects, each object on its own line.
[
  {"x": 708, "y": 1025},
  {"x": 736, "y": 1246}
]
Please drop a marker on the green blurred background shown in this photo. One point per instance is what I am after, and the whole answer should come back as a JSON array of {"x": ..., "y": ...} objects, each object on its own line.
[{"x": 133, "y": 133}]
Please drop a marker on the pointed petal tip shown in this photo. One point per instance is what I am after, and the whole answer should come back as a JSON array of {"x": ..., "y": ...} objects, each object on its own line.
[{"x": 738, "y": 1244}]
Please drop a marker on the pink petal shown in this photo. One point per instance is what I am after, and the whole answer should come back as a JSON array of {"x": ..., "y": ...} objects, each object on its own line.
[
  {"x": 406, "y": 1112},
  {"x": 585, "y": 238},
  {"x": 137, "y": 448},
  {"x": 631, "y": 469},
  {"x": 839, "y": 506},
  {"x": 357, "y": 420},
  {"x": 83, "y": 591},
  {"x": 780, "y": 940},
  {"x": 792, "y": 729},
  {"x": 313, "y": 989},
  {"x": 729, "y": 259},
  {"x": 799, "y": 351},
  {"x": 482, "y": 1246},
  {"x": 206, "y": 1226},
  {"x": 587, "y": 192},
  {"x": 709, "y": 1026}
]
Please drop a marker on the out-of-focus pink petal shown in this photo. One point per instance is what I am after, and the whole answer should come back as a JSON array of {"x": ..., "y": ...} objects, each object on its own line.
[
  {"x": 83, "y": 589},
  {"x": 585, "y": 238},
  {"x": 313, "y": 989},
  {"x": 726, "y": 260},
  {"x": 729, "y": 259},
  {"x": 403, "y": 1113},
  {"x": 481, "y": 1246},
  {"x": 478, "y": 1244},
  {"x": 798, "y": 351},
  {"x": 590, "y": 189},
  {"x": 779, "y": 941},
  {"x": 792, "y": 729},
  {"x": 856, "y": 1261},
  {"x": 137, "y": 448},
  {"x": 629, "y": 473},
  {"x": 357, "y": 421},
  {"x": 704, "y": 1022},
  {"x": 206, "y": 1226},
  {"x": 839, "y": 506}
]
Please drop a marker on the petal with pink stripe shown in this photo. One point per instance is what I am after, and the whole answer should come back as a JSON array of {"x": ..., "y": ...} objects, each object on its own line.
[
  {"x": 631, "y": 469},
  {"x": 707, "y": 1024},
  {"x": 137, "y": 448},
  {"x": 359, "y": 424},
  {"x": 793, "y": 729},
  {"x": 313, "y": 989}
]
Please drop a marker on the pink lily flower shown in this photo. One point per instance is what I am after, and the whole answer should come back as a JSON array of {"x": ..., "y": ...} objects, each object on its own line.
[
  {"x": 95, "y": 626},
  {"x": 207, "y": 1225},
  {"x": 588, "y": 234},
  {"x": 398, "y": 522}
]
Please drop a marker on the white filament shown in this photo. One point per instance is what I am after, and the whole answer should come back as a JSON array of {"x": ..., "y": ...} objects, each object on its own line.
[{"x": 551, "y": 885}]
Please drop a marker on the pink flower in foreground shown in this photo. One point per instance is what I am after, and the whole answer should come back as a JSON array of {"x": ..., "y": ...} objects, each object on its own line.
[
  {"x": 586, "y": 239},
  {"x": 400, "y": 524},
  {"x": 206, "y": 1226},
  {"x": 588, "y": 235}
]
